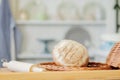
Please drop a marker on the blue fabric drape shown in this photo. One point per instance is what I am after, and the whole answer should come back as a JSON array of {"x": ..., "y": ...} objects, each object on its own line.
[{"x": 5, "y": 23}]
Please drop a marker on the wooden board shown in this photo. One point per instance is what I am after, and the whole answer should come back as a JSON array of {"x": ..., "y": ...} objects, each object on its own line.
[
  {"x": 4, "y": 70},
  {"x": 66, "y": 75}
]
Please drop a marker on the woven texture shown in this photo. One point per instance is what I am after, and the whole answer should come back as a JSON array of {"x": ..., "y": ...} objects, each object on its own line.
[
  {"x": 51, "y": 66},
  {"x": 114, "y": 56}
]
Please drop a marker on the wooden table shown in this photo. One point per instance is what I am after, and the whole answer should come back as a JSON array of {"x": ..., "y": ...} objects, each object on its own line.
[
  {"x": 4, "y": 70},
  {"x": 6, "y": 74}
]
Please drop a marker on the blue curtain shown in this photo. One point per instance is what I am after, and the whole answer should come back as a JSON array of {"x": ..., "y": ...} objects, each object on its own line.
[{"x": 5, "y": 24}]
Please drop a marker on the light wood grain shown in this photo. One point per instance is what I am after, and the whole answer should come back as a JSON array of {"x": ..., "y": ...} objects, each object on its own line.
[{"x": 66, "y": 75}]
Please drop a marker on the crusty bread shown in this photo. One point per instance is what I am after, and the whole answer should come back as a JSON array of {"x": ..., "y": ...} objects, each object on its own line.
[
  {"x": 113, "y": 58},
  {"x": 70, "y": 53}
]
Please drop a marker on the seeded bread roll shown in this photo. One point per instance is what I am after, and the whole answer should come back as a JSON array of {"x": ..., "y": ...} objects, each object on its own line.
[
  {"x": 113, "y": 58},
  {"x": 70, "y": 53}
]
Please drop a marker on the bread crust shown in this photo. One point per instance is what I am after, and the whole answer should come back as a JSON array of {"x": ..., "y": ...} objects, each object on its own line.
[
  {"x": 113, "y": 58},
  {"x": 70, "y": 53}
]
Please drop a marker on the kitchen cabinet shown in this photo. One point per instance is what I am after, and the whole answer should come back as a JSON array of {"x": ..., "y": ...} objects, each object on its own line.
[{"x": 49, "y": 28}]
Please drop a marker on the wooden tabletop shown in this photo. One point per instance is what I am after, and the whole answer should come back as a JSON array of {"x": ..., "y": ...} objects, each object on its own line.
[
  {"x": 4, "y": 70},
  {"x": 6, "y": 74}
]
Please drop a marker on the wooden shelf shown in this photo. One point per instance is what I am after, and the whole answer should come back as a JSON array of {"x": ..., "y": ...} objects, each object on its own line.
[
  {"x": 34, "y": 56},
  {"x": 62, "y": 23}
]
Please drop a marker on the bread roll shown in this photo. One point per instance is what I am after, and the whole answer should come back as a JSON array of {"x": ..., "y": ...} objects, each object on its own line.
[{"x": 70, "y": 53}]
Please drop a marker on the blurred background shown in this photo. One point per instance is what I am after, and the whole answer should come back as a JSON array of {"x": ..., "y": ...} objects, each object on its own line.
[{"x": 41, "y": 24}]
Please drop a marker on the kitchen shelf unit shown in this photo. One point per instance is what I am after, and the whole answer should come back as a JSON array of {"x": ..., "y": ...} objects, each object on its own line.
[
  {"x": 32, "y": 56},
  {"x": 57, "y": 23},
  {"x": 62, "y": 23},
  {"x": 49, "y": 23}
]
